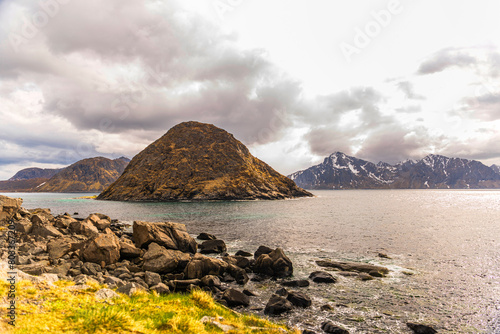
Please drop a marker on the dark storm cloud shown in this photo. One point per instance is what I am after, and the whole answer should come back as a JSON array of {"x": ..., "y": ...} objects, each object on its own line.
[{"x": 444, "y": 59}]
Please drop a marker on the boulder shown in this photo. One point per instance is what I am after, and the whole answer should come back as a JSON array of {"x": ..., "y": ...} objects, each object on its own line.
[
  {"x": 235, "y": 298},
  {"x": 43, "y": 228},
  {"x": 322, "y": 277},
  {"x": 152, "y": 278},
  {"x": 23, "y": 225},
  {"x": 103, "y": 248},
  {"x": 239, "y": 261},
  {"x": 63, "y": 222},
  {"x": 275, "y": 264},
  {"x": 113, "y": 282},
  {"x": 167, "y": 234},
  {"x": 90, "y": 269},
  {"x": 211, "y": 281},
  {"x": 331, "y": 328},
  {"x": 36, "y": 268},
  {"x": 160, "y": 288},
  {"x": 201, "y": 265},
  {"x": 128, "y": 250},
  {"x": 421, "y": 329},
  {"x": 9, "y": 207},
  {"x": 299, "y": 299},
  {"x": 240, "y": 275},
  {"x": 243, "y": 253},
  {"x": 296, "y": 283},
  {"x": 186, "y": 284},
  {"x": 105, "y": 294},
  {"x": 59, "y": 247},
  {"x": 130, "y": 289},
  {"x": 373, "y": 270},
  {"x": 262, "y": 250},
  {"x": 206, "y": 236},
  {"x": 158, "y": 259},
  {"x": 84, "y": 227},
  {"x": 213, "y": 247},
  {"x": 277, "y": 305}
]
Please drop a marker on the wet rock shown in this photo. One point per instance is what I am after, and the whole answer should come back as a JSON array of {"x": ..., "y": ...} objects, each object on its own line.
[
  {"x": 211, "y": 281},
  {"x": 281, "y": 292},
  {"x": 213, "y": 247},
  {"x": 206, "y": 236},
  {"x": 23, "y": 225},
  {"x": 373, "y": 270},
  {"x": 239, "y": 261},
  {"x": 277, "y": 305},
  {"x": 152, "y": 278},
  {"x": 130, "y": 288},
  {"x": 296, "y": 283},
  {"x": 201, "y": 265},
  {"x": 167, "y": 234},
  {"x": 331, "y": 328},
  {"x": 9, "y": 207},
  {"x": 262, "y": 250},
  {"x": 105, "y": 294},
  {"x": 307, "y": 331},
  {"x": 128, "y": 250},
  {"x": 383, "y": 256},
  {"x": 235, "y": 298},
  {"x": 421, "y": 329},
  {"x": 103, "y": 248},
  {"x": 322, "y": 277},
  {"x": 327, "y": 307},
  {"x": 238, "y": 274},
  {"x": 275, "y": 264},
  {"x": 299, "y": 299},
  {"x": 160, "y": 288},
  {"x": 158, "y": 259},
  {"x": 250, "y": 293},
  {"x": 243, "y": 253}
]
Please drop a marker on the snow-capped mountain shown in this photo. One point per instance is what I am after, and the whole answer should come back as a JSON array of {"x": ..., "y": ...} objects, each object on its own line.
[{"x": 340, "y": 171}]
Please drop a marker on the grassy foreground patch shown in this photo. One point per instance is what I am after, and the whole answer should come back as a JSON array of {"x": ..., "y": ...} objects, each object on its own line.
[{"x": 45, "y": 309}]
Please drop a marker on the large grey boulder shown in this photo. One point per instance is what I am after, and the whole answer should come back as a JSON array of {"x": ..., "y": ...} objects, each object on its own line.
[
  {"x": 201, "y": 265},
  {"x": 275, "y": 264},
  {"x": 158, "y": 259},
  {"x": 103, "y": 248},
  {"x": 166, "y": 234}
]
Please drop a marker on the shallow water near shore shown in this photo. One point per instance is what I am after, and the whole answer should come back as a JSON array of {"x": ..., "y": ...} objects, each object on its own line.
[{"x": 444, "y": 247}]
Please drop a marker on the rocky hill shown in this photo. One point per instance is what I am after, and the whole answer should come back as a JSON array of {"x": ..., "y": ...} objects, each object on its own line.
[
  {"x": 197, "y": 161},
  {"x": 340, "y": 171},
  {"x": 87, "y": 175},
  {"x": 495, "y": 168},
  {"x": 22, "y": 185},
  {"x": 35, "y": 173}
]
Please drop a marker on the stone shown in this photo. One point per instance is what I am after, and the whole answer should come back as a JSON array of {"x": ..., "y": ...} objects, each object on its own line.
[
  {"x": 213, "y": 247},
  {"x": 152, "y": 278},
  {"x": 201, "y": 265},
  {"x": 262, "y": 250},
  {"x": 299, "y": 299},
  {"x": 277, "y": 305},
  {"x": 206, "y": 236},
  {"x": 185, "y": 285},
  {"x": 36, "y": 268},
  {"x": 49, "y": 278},
  {"x": 421, "y": 329},
  {"x": 90, "y": 269},
  {"x": 57, "y": 248},
  {"x": 307, "y": 331},
  {"x": 130, "y": 289},
  {"x": 103, "y": 248},
  {"x": 239, "y": 261},
  {"x": 243, "y": 253},
  {"x": 331, "y": 328},
  {"x": 160, "y": 288},
  {"x": 113, "y": 282},
  {"x": 128, "y": 250},
  {"x": 105, "y": 294},
  {"x": 211, "y": 281},
  {"x": 373, "y": 270},
  {"x": 63, "y": 222},
  {"x": 275, "y": 264},
  {"x": 281, "y": 292},
  {"x": 240, "y": 275},
  {"x": 84, "y": 227},
  {"x": 365, "y": 277},
  {"x": 296, "y": 283},
  {"x": 235, "y": 298},
  {"x": 167, "y": 234},
  {"x": 158, "y": 259},
  {"x": 9, "y": 207},
  {"x": 322, "y": 277},
  {"x": 42, "y": 227},
  {"x": 102, "y": 224},
  {"x": 215, "y": 322},
  {"x": 23, "y": 225},
  {"x": 249, "y": 293},
  {"x": 61, "y": 270}
]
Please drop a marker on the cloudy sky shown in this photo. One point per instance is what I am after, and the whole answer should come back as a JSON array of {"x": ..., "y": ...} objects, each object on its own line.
[{"x": 293, "y": 80}]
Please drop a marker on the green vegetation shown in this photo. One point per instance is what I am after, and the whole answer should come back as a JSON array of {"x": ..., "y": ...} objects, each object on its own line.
[{"x": 60, "y": 309}]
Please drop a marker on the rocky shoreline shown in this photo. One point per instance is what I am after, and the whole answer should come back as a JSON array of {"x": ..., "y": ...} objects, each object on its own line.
[{"x": 163, "y": 257}]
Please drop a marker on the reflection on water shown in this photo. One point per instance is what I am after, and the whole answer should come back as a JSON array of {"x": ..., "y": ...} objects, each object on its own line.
[{"x": 451, "y": 238}]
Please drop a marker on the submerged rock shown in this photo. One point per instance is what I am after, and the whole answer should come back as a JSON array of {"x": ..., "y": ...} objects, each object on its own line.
[
  {"x": 331, "y": 328},
  {"x": 373, "y": 270},
  {"x": 421, "y": 329},
  {"x": 299, "y": 299}
]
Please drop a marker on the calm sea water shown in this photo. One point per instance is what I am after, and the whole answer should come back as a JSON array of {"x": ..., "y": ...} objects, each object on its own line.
[{"x": 449, "y": 240}]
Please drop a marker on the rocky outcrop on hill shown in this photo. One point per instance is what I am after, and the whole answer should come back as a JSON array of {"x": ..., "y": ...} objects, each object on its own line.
[
  {"x": 197, "y": 161},
  {"x": 87, "y": 175},
  {"x": 340, "y": 171}
]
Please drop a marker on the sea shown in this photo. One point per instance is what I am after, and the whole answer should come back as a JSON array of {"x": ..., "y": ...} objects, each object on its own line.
[{"x": 443, "y": 249}]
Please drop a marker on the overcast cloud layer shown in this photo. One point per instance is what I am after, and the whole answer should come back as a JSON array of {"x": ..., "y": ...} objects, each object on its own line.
[{"x": 87, "y": 78}]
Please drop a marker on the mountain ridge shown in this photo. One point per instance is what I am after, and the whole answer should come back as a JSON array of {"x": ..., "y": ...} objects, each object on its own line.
[{"x": 340, "y": 171}]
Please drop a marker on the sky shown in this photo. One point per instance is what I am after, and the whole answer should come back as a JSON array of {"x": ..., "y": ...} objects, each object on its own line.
[{"x": 293, "y": 80}]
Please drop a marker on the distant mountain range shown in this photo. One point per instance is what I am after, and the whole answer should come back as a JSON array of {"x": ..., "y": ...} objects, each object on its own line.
[
  {"x": 87, "y": 175},
  {"x": 340, "y": 171}
]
